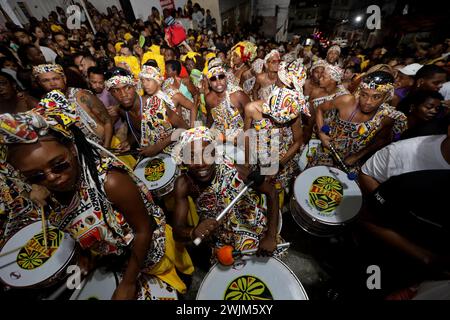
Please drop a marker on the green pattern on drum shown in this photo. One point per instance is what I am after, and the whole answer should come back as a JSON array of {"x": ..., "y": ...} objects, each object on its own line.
[
  {"x": 326, "y": 195},
  {"x": 33, "y": 254},
  {"x": 154, "y": 170},
  {"x": 247, "y": 288}
]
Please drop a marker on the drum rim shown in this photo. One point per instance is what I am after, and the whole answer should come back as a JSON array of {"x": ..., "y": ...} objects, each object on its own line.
[
  {"x": 331, "y": 223},
  {"x": 90, "y": 276},
  {"x": 275, "y": 258},
  {"x": 146, "y": 182},
  {"x": 56, "y": 274}
]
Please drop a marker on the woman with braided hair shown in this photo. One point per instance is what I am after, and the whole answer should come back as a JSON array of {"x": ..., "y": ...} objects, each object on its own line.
[{"x": 96, "y": 199}]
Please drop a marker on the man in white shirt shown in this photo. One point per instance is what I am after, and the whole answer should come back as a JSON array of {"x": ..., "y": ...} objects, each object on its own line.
[
  {"x": 23, "y": 38},
  {"x": 416, "y": 154}
]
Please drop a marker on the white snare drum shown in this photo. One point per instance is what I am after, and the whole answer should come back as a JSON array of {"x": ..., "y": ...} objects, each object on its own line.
[
  {"x": 308, "y": 153},
  {"x": 251, "y": 278},
  {"x": 24, "y": 263},
  {"x": 158, "y": 173},
  {"x": 231, "y": 151},
  {"x": 101, "y": 285},
  {"x": 325, "y": 201}
]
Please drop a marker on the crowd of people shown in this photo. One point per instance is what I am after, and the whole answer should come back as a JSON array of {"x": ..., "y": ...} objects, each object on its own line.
[{"x": 79, "y": 109}]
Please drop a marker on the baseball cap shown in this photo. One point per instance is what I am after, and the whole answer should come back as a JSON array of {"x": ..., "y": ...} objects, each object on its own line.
[{"x": 411, "y": 69}]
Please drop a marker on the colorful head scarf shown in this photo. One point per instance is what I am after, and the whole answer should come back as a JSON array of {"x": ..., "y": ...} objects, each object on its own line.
[
  {"x": 272, "y": 54},
  {"x": 44, "y": 68},
  {"x": 122, "y": 77},
  {"x": 187, "y": 137},
  {"x": 284, "y": 105},
  {"x": 54, "y": 112},
  {"x": 381, "y": 81},
  {"x": 245, "y": 50},
  {"x": 118, "y": 46},
  {"x": 336, "y": 73},
  {"x": 293, "y": 74},
  {"x": 214, "y": 71},
  {"x": 334, "y": 48},
  {"x": 319, "y": 63},
  {"x": 149, "y": 72}
]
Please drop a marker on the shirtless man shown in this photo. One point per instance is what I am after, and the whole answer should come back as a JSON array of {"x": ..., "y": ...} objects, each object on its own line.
[{"x": 97, "y": 124}]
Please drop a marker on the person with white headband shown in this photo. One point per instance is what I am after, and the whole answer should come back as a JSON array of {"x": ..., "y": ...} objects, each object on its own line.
[
  {"x": 265, "y": 81},
  {"x": 333, "y": 55}
]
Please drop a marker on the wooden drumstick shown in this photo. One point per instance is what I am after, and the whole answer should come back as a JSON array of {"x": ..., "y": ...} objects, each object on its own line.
[
  {"x": 44, "y": 228},
  {"x": 198, "y": 240}
]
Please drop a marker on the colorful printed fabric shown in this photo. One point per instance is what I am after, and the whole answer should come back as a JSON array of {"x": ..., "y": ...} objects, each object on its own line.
[
  {"x": 246, "y": 222},
  {"x": 200, "y": 133},
  {"x": 92, "y": 221},
  {"x": 155, "y": 124},
  {"x": 258, "y": 65},
  {"x": 152, "y": 73},
  {"x": 383, "y": 88},
  {"x": 116, "y": 80},
  {"x": 293, "y": 75},
  {"x": 16, "y": 208},
  {"x": 215, "y": 71},
  {"x": 269, "y": 151},
  {"x": 336, "y": 73},
  {"x": 246, "y": 50},
  {"x": 350, "y": 138},
  {"x": 340, "y": 91},
  {"x": 227, "y": 119},
  {"x": 318, "y": 63},
  {"x": 45, "y": 68},
  {"x": 284, "y": 105}
]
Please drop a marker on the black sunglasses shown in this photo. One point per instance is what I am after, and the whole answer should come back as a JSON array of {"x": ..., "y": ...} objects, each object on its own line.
[
  {"x": 56, "y": 169},
  {"x": 215, "y": 78}
]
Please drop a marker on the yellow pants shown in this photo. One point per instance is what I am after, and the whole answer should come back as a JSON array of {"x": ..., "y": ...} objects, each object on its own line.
[
  {"x": 176, "y": 258},
  {"x": 129, "y": 161}
]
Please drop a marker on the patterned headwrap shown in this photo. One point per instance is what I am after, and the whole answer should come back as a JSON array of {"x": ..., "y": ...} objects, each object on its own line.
[
  {"x": 44, "y": 68},
  {"x": 319, "y": 63},
  {"x": 149, "y": 72},
  {"x": 334, "y": 48},
  {"x": 214, "y": 71},
  {"x": 293, "y": 74},
  {"x": 336, "y": 73},
  {"x": 284, "y": 105},
  {"x": 258, "y": 65},
  {"x": 54, "y": 112},
  {"x": 187, "y": 137},
  {"x": 271, "y": 55},
  {"x": 119, "y": 79},
  {"x": 190, "y": 55},
  {"x": 246, "y": 50},
  {"x": 381, "y": 81}
]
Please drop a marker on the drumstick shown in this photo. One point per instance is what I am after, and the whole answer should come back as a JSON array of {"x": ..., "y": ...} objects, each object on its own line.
[
  {"x": 351, "y": 175},
  {"x": 198, "y": 240},
  {"x": 44, "y": 229}
]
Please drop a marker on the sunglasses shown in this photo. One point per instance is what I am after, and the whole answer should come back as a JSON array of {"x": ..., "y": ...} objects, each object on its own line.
[
  {"x": 56, "y": 169},
  {"x": 215, "y": 78}
]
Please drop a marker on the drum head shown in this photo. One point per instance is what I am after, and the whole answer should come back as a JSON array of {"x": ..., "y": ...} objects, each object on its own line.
[
  {"x": 308, "y": 153},
  {"x": 251, "y": 278},
  {"x": 160, "y": 290},
  {"x": 100, "y": 285},
  {"x": 157, "y": 171},
  {"x": 326, "y": 194},
  {"x": 31, "y": 264},
  {"x": 231, "y": 152}
]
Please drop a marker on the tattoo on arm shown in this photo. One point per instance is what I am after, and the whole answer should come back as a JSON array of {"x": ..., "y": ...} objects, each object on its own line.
[{"x": 96, "y": 107}]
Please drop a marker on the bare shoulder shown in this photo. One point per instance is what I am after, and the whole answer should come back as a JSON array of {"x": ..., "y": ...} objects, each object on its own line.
[
  {"x": 347, "y": 100},
  {"x": 118, "y": 184}
]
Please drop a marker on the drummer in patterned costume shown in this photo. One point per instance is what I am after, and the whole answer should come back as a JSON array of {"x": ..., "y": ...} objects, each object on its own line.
[
  {"x": 359, "y": 125},
  {"x": 225, "y": 104},
  {"x": 97, "y": 200},
  {"x": 280, "y": 112},
  {"x": 251, "y": 223},
  {"x": 95, "y": 121},
  {"x": 159, "y": 117}
]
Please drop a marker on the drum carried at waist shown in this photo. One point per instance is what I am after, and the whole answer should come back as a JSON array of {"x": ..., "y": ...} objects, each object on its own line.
[
  {"x": 158, "y": 173},
  {"x": 101, "y": 284},
  {"x": 24, "y": 262},
  {"x": 325, "y": 201},
  {"x": 308, "y": 153},
  {"x": 251, "y": 278}
]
